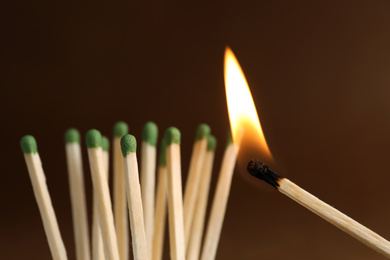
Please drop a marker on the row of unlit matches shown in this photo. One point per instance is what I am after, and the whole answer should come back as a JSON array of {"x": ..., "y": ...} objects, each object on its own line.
[{"x": 137, "y": 200}]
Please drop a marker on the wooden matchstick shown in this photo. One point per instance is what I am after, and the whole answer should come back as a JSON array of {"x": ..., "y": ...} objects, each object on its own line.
[
  {"x": 148, "y": 177},
  {"x": 218, "y": 207},
  {"x": 317, "y": 206},
  {"x": 100, "y": 186},
  {"x": 175, "y": 200},
  {"x": 38, "y": 180},
  {"x": 119, "y": 193},
  {"x": 193, "y": 179},
  {"x": 161, "y": 204},
  {"x": 106, "y": 154},
  {"x": 133, "y": 191},
  {"x": 77, "y": 194},
  {"x": 194, "y": 245},
  {"x": 98, "y": 252}
]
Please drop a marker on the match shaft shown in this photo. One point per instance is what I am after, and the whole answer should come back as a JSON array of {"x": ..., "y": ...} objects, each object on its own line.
[
  {"x": 218, "y": 208},
  {"x": 77, "y": 195},
  {"x": 194, "y": 244},
  {"x": 42, "y": 197},
  {"x": 120, "y": 204},
  {"x": 100, "y": 186},
  {"x": 175, "y": 199},
  {"x": 136, "y": 215},
  {"x": 335, "y": 217}
]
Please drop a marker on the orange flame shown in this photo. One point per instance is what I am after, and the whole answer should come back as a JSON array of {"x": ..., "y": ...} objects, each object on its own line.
[{"x": 244, "y": 121}]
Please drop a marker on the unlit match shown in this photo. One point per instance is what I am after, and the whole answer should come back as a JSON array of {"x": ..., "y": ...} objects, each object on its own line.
[
  {"x": 220, "y": 200},
  {"x": 161, "y": 204},
  {"x": 148, "y": 177},
  {"x": 193, "y": 179},
  {"x": 77, "y": 194},
  {"x": 194, "y": 244},
  {"x": 38, "y": 180},
  {"x": 100, "y": 186},
  {"x": 98, "y": 252},
  {"x": 119, "y": 193},
  {"x": 133, "y": 191},
  {"x": 325, "y": 211},
  {"x": 175, "y": 199}
]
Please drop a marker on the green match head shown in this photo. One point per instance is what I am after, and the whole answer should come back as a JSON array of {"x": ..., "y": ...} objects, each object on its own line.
[
  {"x": 105, "y": 144},
  {"x": 229, "y": 138},
  {"x": 28, "y": 144},
  {"x": 172, "y": 135},
  {"x": 128, "y": 144},
  {"x": 120, "y": 129},
  {"x": 93, "y": 138},
  {"x": 162, "y": 160},
  {"x": 72, "y": 136},
  {"x": 202, "y": 131},
  {"x": 211, "y": 143},
  {"x": 150, "y": 133}
]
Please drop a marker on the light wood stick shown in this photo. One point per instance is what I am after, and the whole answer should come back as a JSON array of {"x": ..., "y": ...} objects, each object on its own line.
[
  {"x": 98, "y": 252},
  {"x": 175, "y": 200},
  {"x": 194, "y": 172},
  {"x": 161, "y": 205},
  {"x": 194, "y": 245},
  {"x": 133, "y": 191},
  {"x": 218, "y": 207},
  {"x": 317, "y": 206},
  {"x": 119, "y": 193},
  {"x": 77, "y": 194},
  {"x": 148, "y": 177},
  {"x": 38, "y": 180},
  {"x": 100, "y": 185}
]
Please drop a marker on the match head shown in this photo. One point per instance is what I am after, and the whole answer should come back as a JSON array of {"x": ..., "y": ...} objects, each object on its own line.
[
  {"x": 120, "y": 129},
  {"x": 72, "y": 136},
  {"x": 150, "y": 133},
  {"x": 105, "y": 144},
  {"x": 162, "y": 159},
  {"x": 172, "y": 136},
  {"x": 128, "y": 144},
  {"x": 262, "y": 172},
  {"x": 28, "y": 144},
  {"x": 211, "y": 143},
  {"x": 93, "y": 139},
  {"x": 202, "y": 131}
]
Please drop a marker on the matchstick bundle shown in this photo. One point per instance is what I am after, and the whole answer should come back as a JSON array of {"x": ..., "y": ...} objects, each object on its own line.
[{"x": 137, "y": 198}]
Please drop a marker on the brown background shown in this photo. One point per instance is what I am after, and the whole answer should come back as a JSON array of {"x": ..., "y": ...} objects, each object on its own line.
[{"x": 318, "y": 70}]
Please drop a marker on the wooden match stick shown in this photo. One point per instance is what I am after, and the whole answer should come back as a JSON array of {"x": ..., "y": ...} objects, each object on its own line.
[
  {"x": 133, "y": 191},
  {"x": 161, "y": 204},
  {"x": 100, "y": 186},
  {"x": 98, "y": 252},
  {"x": 38, "y": 180},
  {"x": 218, "y": 207},
  {"x": 106, "y": 154},
  {"x": 148, "y": 177},
  {"x": 193, "y": 179},
  {"x": 77, "y": 194},
  {"x": 317, "y": 206},
  {"x": 175, "y": 200},
  {"x": 193, "y": 250},
  {"x": 120, "y": 205}
]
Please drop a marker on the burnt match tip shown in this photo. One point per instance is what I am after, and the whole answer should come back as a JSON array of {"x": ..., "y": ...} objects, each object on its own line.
[{"x": 262, "y": 172}]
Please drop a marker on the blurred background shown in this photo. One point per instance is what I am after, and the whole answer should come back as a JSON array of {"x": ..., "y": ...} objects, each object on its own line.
[{"x": 318, "y": 72}]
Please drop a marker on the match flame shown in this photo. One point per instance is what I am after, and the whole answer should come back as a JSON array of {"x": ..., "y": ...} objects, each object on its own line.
[{"x": 244, "y": 121}]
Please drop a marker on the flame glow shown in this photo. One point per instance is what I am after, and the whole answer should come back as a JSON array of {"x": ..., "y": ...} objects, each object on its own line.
[{"x": 244, "y": 121}]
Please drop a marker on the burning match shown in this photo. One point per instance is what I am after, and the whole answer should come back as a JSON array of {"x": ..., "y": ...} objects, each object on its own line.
[{"x": 247, "y": 133}]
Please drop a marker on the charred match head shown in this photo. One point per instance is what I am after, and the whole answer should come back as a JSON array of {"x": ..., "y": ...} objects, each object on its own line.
[{"x": 262, "y": 172}]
